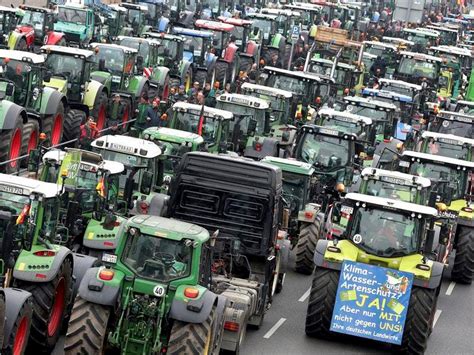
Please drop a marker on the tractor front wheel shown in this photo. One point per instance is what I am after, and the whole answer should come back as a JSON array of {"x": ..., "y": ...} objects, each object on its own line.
[
  {"x": 307, "y": 240},
  {"x": 72, "y": 125},
  {"x": 194, "y": 338},
  {"x": 100, "y": 111},
  {"x": 322, "y": 299},
  {"x": 87, "y": 330},
  {"x": 10, "y": 146},
  {"x": 419, "y": 320},
  {"x": 30, "y": 139},
  {"x": 463, "y": 268},
  {"x": 53, "y": 126},
  {"x": 18, "y": 340},
  {"x": 220, "y": 72},
  {"x": 50, "y": 302}
]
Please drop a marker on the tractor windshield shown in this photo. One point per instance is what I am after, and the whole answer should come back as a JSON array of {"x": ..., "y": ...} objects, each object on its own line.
[
  {"x": 380, "y": 118},
  {"x": 320, "y": 68},
  {"x": 157, "y": 258},
  {"x": 243, "y": 115},
  {"x": 385, "y": 233},
  {"x": 325, "y": 152},
  {"x": 133, "y": 16},
  {"x": 171, "y": 150},
  {"x": 18, "y": 72},
  {"x": 393, "y": 191},
  {"x": 418, "y": 68},
  {"x": 168, "y": 48},
  {"x": 66, "y": 14},
  {"x": 13, "y": 201},
  {"x": 288, "y": 83},
  {"x": 340, "y": 124},
  {"x": 265, "y": 26},
  {"x": 456, "y": 179},
  {"x": 143, "y": 47},
  {"x": 461, "y": 129},
  {"x": 450, "y": 150},
  {"x": 194, "y": 45},
  {"x": 207, "y": 128},
  {"x": 32, "y": 18},
  {"x": 295, "y": 190},
  {"x": 114, "y": 61},
  {"x": 66, "y": 66}
]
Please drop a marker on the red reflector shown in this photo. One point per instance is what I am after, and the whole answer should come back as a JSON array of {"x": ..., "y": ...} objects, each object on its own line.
[
  {"x": 40, "y": 276},
  {"x": 44, "y": 253},
  {"x": 109, "y": 244},
  {"x": 106, "y": 275},
  {"x": 191, "y": 292},
  {"x": 308, "y": 215},
  {"x": 258, "y": 147},
  {"x": 231, "y": 326},
  {"x": 116, "y": 223}
]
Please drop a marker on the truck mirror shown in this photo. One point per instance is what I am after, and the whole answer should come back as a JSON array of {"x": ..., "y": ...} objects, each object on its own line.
[
  {"x": 109, "y": 221},
  {"x": 429, "y": 242},
  {"x": 47, "y": 76},
  {"x": 252, "y": 127},
  {"x": 102, "y": 64},
  {"x": 140, "y": 61},
  {"x": 268, "y": 121},
  {"x": 147, "y": 182}
]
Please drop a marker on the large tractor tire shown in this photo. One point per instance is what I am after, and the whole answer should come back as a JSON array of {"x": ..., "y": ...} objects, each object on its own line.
[
  {"x": 10, "y": 146},
  {"x": 53, "y": 126},
  {"x": 245, "y": 64},
  {"x": 321, "y": 302},
  {"x": 463, "y": 268},
  {"x": 87, "y": 330},
  {"x": 126, "y": 116},
  {"x": 18, "y": 339},
  {"x": 30, "y": 139},
  {"x": 419, "y": 320},
  {"x": 201, "y": 77},
  {"x": 50, "y": 302},
  {"x": 220, "y": 72},
  {"x": 72, "y": 126},
  {"x": 194, "y": 338},
  {"x": 22, "y": 45},
  {"x": 2, "y": 318},
  {"x": 100, "y": 111},
  {"x": 307, "y": 240}
]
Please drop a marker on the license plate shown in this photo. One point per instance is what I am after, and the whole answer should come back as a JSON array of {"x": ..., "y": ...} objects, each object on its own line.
[{"x": 109, "y": 258}]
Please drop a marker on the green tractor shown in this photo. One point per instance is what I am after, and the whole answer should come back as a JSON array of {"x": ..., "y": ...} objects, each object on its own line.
[
  {"x": 158, "y": 75},
  {"x": 70, "y": 73},
  {"x": 138, "y": 186},
  {"x": 27, "y": 107},
  {"x": 152, "y": 296},
  {"x": 210, "y": 123},
  {"x": 29, "y": 218},
  {"x": 89, "y": 206},
  {"x": 382, "y": 236},
  {"x": 174, "y": 143},
  {"x": 115, "y": 65},
  {"x": 135, "y": 24},
  {"x": 446, "y": 145},
  {"x": 8, "y": 20}
]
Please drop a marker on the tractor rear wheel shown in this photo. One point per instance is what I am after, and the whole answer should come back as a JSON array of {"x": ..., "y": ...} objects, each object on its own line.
[
  {"x": 53, "y": 126},
  {"x": 50, "y": 302},
  {"x": 100, "y": 111},
  {"x": 18, "y": 340},
  {"x": 22, "y": 46},
  {"x": 463, "y": 268},
  {"x": 419, "y": 320},
  {"x": 201, "y": 77},
  {"x": 322, "y": 299},
  {"x": 307, "y": 240},
  {"x": 245, "y": 64},
  {"x": 72, "y": 125},
  {"x": 194, "y": 338},
  {"x": 220, "y": 72},
  {"x": 10, "y": 146},
  {"x": 87, "y": 330},
  {"x": 30, "y": 139}
]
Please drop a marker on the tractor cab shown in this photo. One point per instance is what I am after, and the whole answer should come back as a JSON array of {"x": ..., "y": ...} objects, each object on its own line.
[
  {"x": 241, "y": 30},
  {"x": 197, "y": 44},
  {"x": 221, "y": 35},
  {"x": 423, "y": 38},
  {"x": 418, "y": 67},
  {"x": 309, "y": 13},
  {"x": 285, "y": 19},
  {"x": 387, "y": 51},
  {"x": 447, "y": 145},
  {"x": 264, "y": 27},
  {"x": 135, "y": 17},
  {"x": 77, "y": 22},
  {"x": 382, "y": 114},
  {"x": 138, "y": 183},
  {"x": 33, "y": 28},
  {"x": 210, "y": 123},
  {"x": 8, "y": 22},
  {"x": 399, "y": 42},
  {"x": 447, "y": 36},
  {"x": 174, "y": 143},
  {"x": 463, "y": 106},
  {"x": 456, "y": 123},
  {"x": 251, "y": 130}
]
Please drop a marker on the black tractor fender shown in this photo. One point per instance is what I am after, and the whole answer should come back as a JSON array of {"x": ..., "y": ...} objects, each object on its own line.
[
  {"x": 185, "y": 69},
  {"x": 465, "y": 222},
  {"x": 12, "y": 112},
  {"x": 285, "y": 247},
  {"x": 211, "y": 64},
  {"x": 96, "y": 291},
  {"x": 318, "y": 257},
  {"x": 79, "y": 107},
  {"x": 15, "y": 298},
  {"x": 159, "y": 205},
  {"x": 435, "y": 278},
  {"x": 197, "y": 311},
  {"x": 82, "y": 263},
  {"x": 30, "y": 276},
  {"x": 54, "y": 98}
]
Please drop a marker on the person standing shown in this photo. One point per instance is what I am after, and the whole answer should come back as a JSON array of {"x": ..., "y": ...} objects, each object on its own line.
[{"x": 88, "y": 132}]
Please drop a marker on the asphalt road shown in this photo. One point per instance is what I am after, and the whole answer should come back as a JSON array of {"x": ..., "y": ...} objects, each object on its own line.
[{"x": 282, "y": 331}]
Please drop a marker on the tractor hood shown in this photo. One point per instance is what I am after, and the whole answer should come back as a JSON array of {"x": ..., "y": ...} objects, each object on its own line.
[{"x": 59, "y": 84}]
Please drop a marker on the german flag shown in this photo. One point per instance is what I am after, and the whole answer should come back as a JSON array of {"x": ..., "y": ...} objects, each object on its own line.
[
  {"x": 23, "y": 214},
  {"x": 100, "y": 188}
]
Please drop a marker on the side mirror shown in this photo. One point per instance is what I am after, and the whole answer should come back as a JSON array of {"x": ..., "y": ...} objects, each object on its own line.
[
  {"x": 147, "y": 182},
  {"x": 97, "y": 215},
  {"x": 47, "y": 76},
  {"x": 102, "y": 64},
  {"x": 252, "y": 127},
  {"x": 140, "y": 61},
  {"x": 429, "y": 242},
  {"x": 191, "y": 49},
  {"x": 109, "y": 221},
  {"x": 33, "y": 160}
]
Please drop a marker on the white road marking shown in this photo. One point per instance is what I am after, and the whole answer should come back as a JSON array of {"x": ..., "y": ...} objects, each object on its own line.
[
  {"x": 305, "y": 295},
  {"x": 274, "y": 328},
  {"x": 450, "y": 289},
  {"x": 436, "y": 316}
]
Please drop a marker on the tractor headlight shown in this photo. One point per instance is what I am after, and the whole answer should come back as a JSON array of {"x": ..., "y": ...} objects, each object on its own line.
[{"x": 35, "y": 94}]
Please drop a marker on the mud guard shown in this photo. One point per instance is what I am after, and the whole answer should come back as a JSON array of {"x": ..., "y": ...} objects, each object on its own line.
[
  {"x": 159, "y": 205},
  {"x": 54, "y": 37},
  {"x": 14, "y": 39},
  {"x": 163, "y": 73},
  {"x": 195, "y": 311},
  {"x": 50, "y": 101},
  {"x": 10, "y": 112},
  {"x": 184, "y": 69},
  {"x": 211, "y": 62},
  {"x": 285, "y": 247},
  {"x": 92, "y": 95},
  {"x": 14, "y": 301},
  {"x": 82, "y": 263},
  {"x": 435, "y": 279},
  {"x": 30, "y": 276},
  {"x": 96, "y": 291}
]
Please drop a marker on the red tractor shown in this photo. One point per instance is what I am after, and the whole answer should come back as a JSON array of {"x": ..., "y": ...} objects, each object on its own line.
[
  {"x": 34, "y": 29},
  {"x": 224, "y": 47},
  {"x": 249, "y": 51}
]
